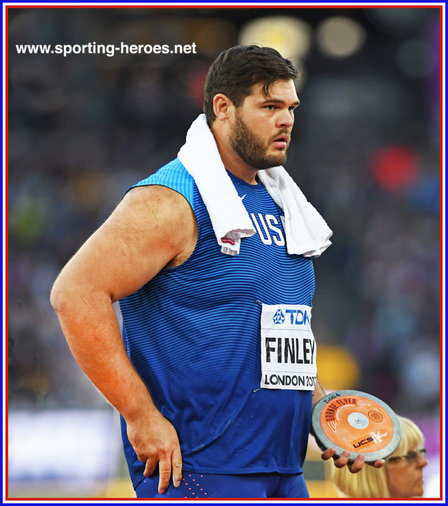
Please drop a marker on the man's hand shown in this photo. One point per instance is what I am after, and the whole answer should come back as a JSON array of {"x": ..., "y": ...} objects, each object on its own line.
[
  {"x": 155, "y": 442},
  {"x": 354, "y": 466}
]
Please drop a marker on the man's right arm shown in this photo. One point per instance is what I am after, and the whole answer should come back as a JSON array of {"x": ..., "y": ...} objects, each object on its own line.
[{"x": 152, "y": 227}]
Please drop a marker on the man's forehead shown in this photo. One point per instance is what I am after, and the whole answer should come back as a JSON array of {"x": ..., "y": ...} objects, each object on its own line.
[{"x": 282, "y": 89}]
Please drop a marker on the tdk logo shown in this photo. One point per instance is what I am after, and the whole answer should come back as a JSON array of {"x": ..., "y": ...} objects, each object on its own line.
[
  {"x": 296, "y": 317},
  {"x": 279, "y": 317}
]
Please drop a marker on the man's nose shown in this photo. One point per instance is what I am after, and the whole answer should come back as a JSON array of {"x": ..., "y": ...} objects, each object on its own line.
[{"x": 285, "y": 119}]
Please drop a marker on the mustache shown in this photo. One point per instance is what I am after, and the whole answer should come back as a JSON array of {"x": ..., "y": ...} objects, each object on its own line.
[{"x": 283, "y": 133}]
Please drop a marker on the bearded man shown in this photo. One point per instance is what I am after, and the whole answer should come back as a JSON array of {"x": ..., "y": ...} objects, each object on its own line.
[{"x": 211, "y": 258}]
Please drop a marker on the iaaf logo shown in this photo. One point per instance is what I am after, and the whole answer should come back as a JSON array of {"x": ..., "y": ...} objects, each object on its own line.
[{"x": 296, "y": 317}]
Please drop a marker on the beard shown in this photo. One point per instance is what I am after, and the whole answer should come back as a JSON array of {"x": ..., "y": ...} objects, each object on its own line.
[{"x": 251, "y": 148}]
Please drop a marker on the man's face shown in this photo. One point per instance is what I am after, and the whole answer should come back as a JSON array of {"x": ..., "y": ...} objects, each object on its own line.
[{"x": 261, "y": 130}]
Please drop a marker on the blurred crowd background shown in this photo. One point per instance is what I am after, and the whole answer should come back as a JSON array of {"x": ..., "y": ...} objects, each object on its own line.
[{"x": 365, "y": 151}]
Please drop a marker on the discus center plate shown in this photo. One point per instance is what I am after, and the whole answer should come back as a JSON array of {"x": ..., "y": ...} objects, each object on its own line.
[{"x": 357, "y": 420}]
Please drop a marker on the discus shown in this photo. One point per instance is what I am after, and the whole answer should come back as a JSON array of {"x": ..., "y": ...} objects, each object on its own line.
[{"x": 357, "y": 422}]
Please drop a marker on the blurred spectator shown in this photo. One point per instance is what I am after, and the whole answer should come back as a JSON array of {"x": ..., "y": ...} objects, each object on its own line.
[{"x": 400, "y": 477}]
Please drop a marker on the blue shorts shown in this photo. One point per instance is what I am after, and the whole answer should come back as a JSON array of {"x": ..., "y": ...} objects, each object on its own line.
[{"x": 200, "y": 485}]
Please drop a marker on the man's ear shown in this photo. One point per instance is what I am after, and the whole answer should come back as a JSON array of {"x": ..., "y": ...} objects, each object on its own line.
[{"x": 222, "y": 105}]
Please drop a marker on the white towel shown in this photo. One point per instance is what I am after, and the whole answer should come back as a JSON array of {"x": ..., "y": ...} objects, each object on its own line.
[{"x": 306, "y": 232}]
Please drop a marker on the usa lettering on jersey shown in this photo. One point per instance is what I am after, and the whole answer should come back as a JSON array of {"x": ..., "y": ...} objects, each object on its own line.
[{"x": 269, "y": 229}]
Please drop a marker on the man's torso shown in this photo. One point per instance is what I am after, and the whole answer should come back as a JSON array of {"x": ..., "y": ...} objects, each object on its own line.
[{"x": 193, "y": 334}]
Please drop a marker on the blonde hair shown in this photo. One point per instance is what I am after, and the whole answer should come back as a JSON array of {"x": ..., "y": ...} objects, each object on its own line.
[{"x": 371, "y": 482}]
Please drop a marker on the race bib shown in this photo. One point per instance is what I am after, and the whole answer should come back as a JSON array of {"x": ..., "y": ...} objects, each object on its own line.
[{"x": 288, "y": 348}]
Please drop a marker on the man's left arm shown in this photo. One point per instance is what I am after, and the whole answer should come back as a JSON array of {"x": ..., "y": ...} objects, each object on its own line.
[{"x": 318, "y": 392}]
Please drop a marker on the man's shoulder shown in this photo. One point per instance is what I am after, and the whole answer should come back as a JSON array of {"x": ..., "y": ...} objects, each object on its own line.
[
  {"x": 173, "y": 172},
  {"x": 173, "y": 175}
]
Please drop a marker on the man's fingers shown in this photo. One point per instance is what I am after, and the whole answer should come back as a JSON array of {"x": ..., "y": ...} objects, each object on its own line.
[
  {"x": 150, "y": 467},
  {"x": 378, "y": 463},
  {"x": 342, "y": 460},
  {"x": 176, "y": 463},
  {"x": 164, "y": 474},
  {"x": 328, "y": 453},
  {"x": 357, "y": 464}
]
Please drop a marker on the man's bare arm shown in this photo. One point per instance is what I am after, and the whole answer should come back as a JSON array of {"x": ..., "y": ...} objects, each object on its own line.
[
  {"x": 152, "y": 227},
  {"x": 318, "y": 392}
]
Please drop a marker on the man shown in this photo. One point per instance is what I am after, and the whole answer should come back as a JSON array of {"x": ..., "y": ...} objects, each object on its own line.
[{"x": 197, "y": 383}]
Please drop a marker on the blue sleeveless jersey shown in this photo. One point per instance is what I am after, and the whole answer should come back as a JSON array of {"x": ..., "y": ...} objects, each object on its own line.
[{"x": 193, "y": 334}]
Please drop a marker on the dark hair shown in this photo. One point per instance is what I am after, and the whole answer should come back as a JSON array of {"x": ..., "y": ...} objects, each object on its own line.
[{"x": 237, "y": 69}]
